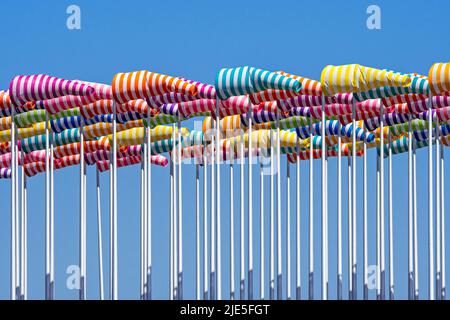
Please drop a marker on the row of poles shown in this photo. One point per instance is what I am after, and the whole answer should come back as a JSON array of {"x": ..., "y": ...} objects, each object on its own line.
[{"x": 212, "y": 254}]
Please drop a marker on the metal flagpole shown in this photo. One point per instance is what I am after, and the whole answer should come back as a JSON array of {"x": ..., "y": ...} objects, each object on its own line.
[
  {"x": 391, "y": 222},
  {"x": 197, "y": 232},
  {"x": 82, "y": 294},
  {"x": 212, "y": 280},
  {"x": 262, "y": 225},
  {"x": 415, "y": 244},
  {"x": 288, "y": 231},
  {"x": 443, "y": 288},
  {"x": 324, "y": 207},
  {"x": 14, "y": 276},
  {"x": 279, "y": 248},
  {"x": 311, "y": 216},
  {"x": 142, "y": 224},
  {"x": 171, "y": 233},
  {"x": 111, "y": 201},
  {"x": 218, "y": 215},
  {"x": 205, "y": 223},
  {"x": 411, "y": 270},
  {"x": 365, "y": 235},
  {"x": 114, "y": 270},
  {"x": 339, "y": 216},
  {"x": 298, "y": 294},
  {"x": 350, "y": 238},
  {"x": 149, "y": 233},
  {"x": 382, "y": 223},
  {"x": 438, "y": 213},
  {"x": 354, "y": 225},
  {"x": 431, "y": 280},
  {"x": 99, "y": 237},
  {"x": 180, "y": 214},
  {"x": 378, "y": 255},
  {"x": 272, "y": 224},
  {"x": 18, "y": 222},
  {"x": 52, "y": 219},
  {"x": 24, "y": 238},
  {"x": 232, "y": 275},
  {"x": 47, "y": 213},
  {"x": 242, "y": 220},
  {"x": 175, "y": 216},
  {"x": 250, "y": 207}
]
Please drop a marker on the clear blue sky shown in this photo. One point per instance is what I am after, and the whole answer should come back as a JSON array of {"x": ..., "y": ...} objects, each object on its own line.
[{"x": 194, "y": 39}]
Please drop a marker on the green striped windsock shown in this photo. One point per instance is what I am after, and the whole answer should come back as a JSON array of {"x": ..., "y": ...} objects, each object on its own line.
[{"x": 245, "y": 80}]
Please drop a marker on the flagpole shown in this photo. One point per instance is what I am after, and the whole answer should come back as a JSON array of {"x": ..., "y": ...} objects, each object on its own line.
[
  {"x": 242, "y": 218},
  {"x": 218, "y": 214},
  {"x": 99, "y": 237},
  {"x": 197, "y": 232},
  {"x": 47, "y": 213},
  {"x": 232, "y": 275},
  {"x": 415, "y": 243},
  {"x": 18, "y": 222},
  {"x": 175, "y": 216},
  {"x": 382, "y": 223},
  {"x": 378, "y": 227},
  {"x": 411, "y": 270},
  {"x": 262, "y": 225},
  {"x": 350, "y": 238},
  {"x": 339, "y": 216},
  {"x": 272, "y": 224},
  {"x": 24, "y": 237},
  {"x": 354, "y": 225},
  {"x": 288, "y": 231},
  {"x": 205, "y": 223},
  {"x": 142, "y": 224},
  {"x": 250, "y": 207},
  {"x": 298, "y": 229},
  {"x": 149, "y": 266},
  {"x": 52, "y": 219},
  {"x": 431, "y": 280},
  {"x": 171, "y": 233},
  {"x": 391, "y": 222},
  {"x": 114, "y": 283},
  {"x": 311, "y": 215},
  {"x": 365, "y": 235},
  {"x": 279, "y": 247},
  {"x": 324, "y": 207},
  {"x": 180, "y": 214},
  {"x": 212, "y": 281},
  {"x": 438, "y": 214},
  {"x": 443, "y": 260},
  {"x": 82, "y": 294},
  {"x": 13, "y": 210}
]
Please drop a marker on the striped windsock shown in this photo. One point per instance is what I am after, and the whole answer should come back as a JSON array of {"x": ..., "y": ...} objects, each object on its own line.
[
  {"x": 246, "y": 80},
  {"x": 143, "y": 84},
  {"x": 439, "y": 78},
  {"x": 357, "y": 78}
]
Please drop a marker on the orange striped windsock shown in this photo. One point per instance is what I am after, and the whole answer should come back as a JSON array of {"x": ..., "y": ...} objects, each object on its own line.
[
  {"x": 439, "y": 78},
  {"x": 143, "y": 84}
]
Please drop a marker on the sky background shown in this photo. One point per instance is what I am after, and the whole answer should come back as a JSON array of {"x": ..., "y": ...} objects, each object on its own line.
[{"x": 194, "y": 39}]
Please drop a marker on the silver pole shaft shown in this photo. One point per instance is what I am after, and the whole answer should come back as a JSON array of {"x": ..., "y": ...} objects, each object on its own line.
[
  {"x": 232, "y": 260},
  {"x": 24, "y": 238},
  {"x": 382, "y": 222},
  {"x": 279, "y": 244},
  {"x": 218, "y": 214},
  {"x": 82, "y": 295},
  {"x": 324, "y": 207},
  {"x": 99, "y": 237},
  {"x": 212, "y": 281},
  {"x": 391, "y": 223},
  {"x": 272, "y": 223},
  {"x": 438, "y": 214},
  {"x": 180, "y": 214},
  {"x": 197, "y": 232},
  {"x": 298, "y": 229},
  {"x": 365, "y": 235},
  {"x": 339, "y": 217},
  {"x": 415, "y": 243},
  {"x": 149, "y": 266},
  {"x": 142, "y": 226},
  {"x": 115, "y": 291},
  {"x": 250, "y": 207},
  {"x": 350, "y": 238},
  {"x": 354, "y": 209},
  {"x": 171, "y": 233},
  {"x": 205, "y": 225},
  {"x": 242, "y": 220},
  {"x": 311, "y": 216},
  {"x": 175, "y": 217},
  {"x": 52, "y": 219},
  {"x": 443, "y": 259},
  {"x": 378, "y": 232},
  {"x": 14, "y": 276},
  {"x": 262, "y": 225},
  {"x": 410, "y": 215},
  {"x": 288, "y": 231},
  {"x": 431, "y": 280},
  {"x": 48, "y": 284}
]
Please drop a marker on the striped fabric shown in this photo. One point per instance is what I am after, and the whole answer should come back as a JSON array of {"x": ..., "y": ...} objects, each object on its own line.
[
  {"x": 5, "y": 123},
  {"x": 419, "y": 85},
  {"x": 32, "y": 169},
  {"x": 357, "y": 78},
  {"x": 171, "y": 97},
  {"x": 160, "y": 119},
  {"x": 23, "y": 89},
  {"x": 439, "y": 78},
  {"x": 246, "y": 80},
  {"x": 5, "y": 173},
  {"x": 143, "y": 84},
  {"x": 389, "y": 119},
  {"x": 67, "y": 161},
  {"x": 121, "y": 162}
]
